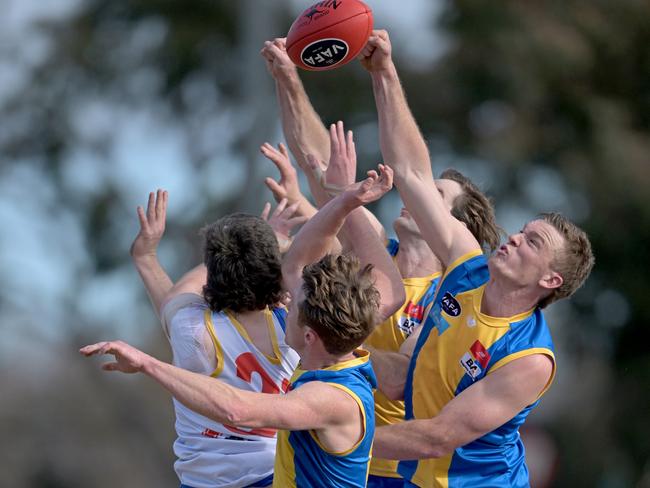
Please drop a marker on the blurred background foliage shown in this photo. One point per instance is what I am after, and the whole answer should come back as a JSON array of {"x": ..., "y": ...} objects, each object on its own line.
[{"x": 546, "y": 104}]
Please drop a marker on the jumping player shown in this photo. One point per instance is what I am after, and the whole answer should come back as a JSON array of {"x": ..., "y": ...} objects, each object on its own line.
[
  {"x": 221, "y": 320},
  {"x": 335, "y": 305},
  {"x": 485, "y": 355},
  {"x": 418, "y": 265}
]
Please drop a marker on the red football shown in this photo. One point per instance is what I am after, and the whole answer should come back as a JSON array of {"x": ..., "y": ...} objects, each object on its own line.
[{"x": 329, "y": 34}]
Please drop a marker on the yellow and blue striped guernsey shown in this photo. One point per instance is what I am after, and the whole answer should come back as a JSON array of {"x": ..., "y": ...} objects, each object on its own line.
[
  {"x": 389, "y": 336},
  {"x": 300, "y": 459},
  {"x": 458, "y": 346}
]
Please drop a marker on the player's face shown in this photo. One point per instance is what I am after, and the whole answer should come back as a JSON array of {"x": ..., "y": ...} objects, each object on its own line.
[
  {"x": 527, "y": 256},
  {"x": 448, "y": 190}
]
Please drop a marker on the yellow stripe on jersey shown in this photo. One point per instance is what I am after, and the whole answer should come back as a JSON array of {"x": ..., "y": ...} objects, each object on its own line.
[
  {"x": 217, "y": 347},
  {"x": 363, "y": 418}
]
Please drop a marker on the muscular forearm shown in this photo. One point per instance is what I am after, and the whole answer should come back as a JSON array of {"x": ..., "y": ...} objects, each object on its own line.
[
  {"x": 303, "y": 129},
  {"x": 402, "y": 145},
  {"x": 205, "y": 395},
  {"x": 155, "y": 280},
  {"x": 391, "y": 369},
  {"x": 318, "y": 236},
  {"x": 414, "y": 439}
]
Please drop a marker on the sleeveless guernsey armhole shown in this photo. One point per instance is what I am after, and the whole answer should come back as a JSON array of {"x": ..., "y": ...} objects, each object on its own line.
[
  {"x": 460, "y": 260},
  {"x": 274, "y": 337},
  {"x": 217, "y": 347},
  {"x": 524, "y": 353},
  {"x": 356, "y": 398}
]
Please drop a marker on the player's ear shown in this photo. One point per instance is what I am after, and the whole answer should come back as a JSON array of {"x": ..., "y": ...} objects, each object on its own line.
[
  {"x": 551, "y": 280},
  {"x": 310, "y": 335}
]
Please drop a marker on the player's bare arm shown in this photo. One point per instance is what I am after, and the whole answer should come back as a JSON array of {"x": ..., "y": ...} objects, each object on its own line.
[
  {"x": 316, "y": 236},
  {"x": 301, "y": 124},
  {"x": 501, "y": 395},
  {"x": 145, "y": 246},
  {"x": 330, "y": 411},
  {"x": 403, "y": 147}
]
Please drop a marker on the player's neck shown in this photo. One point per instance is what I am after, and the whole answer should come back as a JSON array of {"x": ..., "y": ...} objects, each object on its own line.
[
  {"x": 415, "y": 259},
  {"x": 503, "y": 300},
  {"x": 315, "y": 359}
]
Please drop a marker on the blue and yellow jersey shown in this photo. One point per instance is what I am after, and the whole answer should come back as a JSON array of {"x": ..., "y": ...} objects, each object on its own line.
[
  {"x": 458, "y": 346},
  {"x": 302, "y": 461},
  {"x": 389, "y": 336}
]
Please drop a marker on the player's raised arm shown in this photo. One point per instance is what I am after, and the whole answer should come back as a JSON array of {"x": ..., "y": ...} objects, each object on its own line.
[
  {"x": 317, "y": 235},
  {"x": 283, "y": 220},
  {"x": 145, "y": 246},
  {"x": 404, "y": 149},
  {"x": 302, "y": 127}
]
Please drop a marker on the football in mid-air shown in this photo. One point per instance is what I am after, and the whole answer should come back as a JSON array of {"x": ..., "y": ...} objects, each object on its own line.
[{"x": 329, "y": 34}]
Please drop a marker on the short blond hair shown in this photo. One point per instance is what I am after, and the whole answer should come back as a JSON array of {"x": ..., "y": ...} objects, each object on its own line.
[
  {"x": 341, "y": 302},
  {"x": 573, "y": 261}
]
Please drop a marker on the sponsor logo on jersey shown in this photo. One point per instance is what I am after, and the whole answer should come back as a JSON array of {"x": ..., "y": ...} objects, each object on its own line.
[
  {"x": 450, "y": 305},
  {"x": 477, "y": 361},
  {"x": 411, "y": 318},
  {"x": 480, "y": 353},
  {"x": 470, "y": 365}
]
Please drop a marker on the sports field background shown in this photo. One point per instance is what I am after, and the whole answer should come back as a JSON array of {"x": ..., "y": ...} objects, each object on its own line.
[{"x": 545, "y": 105}]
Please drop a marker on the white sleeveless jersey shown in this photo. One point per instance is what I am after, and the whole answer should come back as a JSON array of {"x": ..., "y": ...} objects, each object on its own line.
[{"x": 211, "y": 454}]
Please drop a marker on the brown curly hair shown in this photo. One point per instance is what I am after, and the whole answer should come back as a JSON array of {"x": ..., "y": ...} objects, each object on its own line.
[
  {"x": 244, "y": 264},
  {"x": 476, "y": 210},
  {"x": 573, "y": 261},
  {"x": 341, "y": 302}
]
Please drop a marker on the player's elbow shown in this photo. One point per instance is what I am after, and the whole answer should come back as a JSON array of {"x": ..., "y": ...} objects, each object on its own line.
[
  {"x": 438, "y": 441},
  {"x": 391, "y": 303}
]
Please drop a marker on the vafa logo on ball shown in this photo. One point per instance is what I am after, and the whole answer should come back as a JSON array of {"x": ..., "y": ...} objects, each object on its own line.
[{"x": 324, "y": 53}]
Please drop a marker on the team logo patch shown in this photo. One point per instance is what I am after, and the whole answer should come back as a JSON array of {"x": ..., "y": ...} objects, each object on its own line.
[
  {"x": 477, "y": 361},
  {"x": 450, "y": 305},
  {"x": 324, "y": 53}
]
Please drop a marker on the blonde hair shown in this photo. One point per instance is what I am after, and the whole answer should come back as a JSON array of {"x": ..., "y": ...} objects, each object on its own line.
[
  {"x": 573, "y": 261},
  {"x": 341, "y": 302}
]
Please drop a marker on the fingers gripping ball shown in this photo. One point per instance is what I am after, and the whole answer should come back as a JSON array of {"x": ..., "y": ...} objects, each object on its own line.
[{"x": 329, "y": 34}]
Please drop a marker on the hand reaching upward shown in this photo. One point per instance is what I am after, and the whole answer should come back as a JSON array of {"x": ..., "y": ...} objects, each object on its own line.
[
  {"x": 287, "y": 186},
  {"x": 342, "y": 166},
  {"x": 372, "y": 188},
  {"x": 152, "y": 225},
  {"x": 277, "y": 60},
  {"x": 282, "y": 221},
  {"x": 376, "y": 55}
]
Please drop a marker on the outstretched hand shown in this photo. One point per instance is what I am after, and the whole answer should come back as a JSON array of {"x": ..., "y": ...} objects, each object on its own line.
[
  {"x": 282, "y": 221},
  {"x": 278, "y": 62},
  {"x": 342, "y": 166},
  {"x": 372, "y": 188},
  {"x": 287, "y": 186},
  {"x": 128, "y": 359},
  {"x": 152, "y": 225},
  {"x": 376, "y": 55}
]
